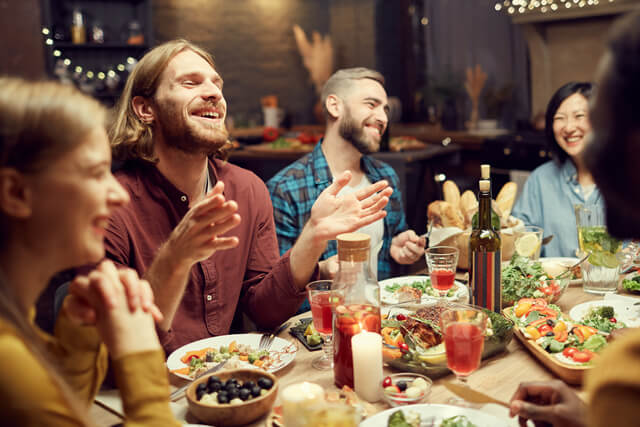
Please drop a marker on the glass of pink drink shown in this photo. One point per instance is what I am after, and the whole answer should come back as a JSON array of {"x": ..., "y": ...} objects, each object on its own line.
[
  {"x": 463, "y": 329},
  {"x": 442, "y": 262},
  {"x": 322, "y": 302}
]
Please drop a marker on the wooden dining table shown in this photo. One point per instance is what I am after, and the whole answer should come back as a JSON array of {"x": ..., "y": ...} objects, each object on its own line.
[{"x": 497, "y": 376}]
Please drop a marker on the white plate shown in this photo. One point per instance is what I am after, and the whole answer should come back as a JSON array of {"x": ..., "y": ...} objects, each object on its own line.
[
  {"x": 386, "y": 297},
  {"x": 624, "y": 312},
  {"x": 439, "y": 412},
  {"x": 282, "y": 351},
  {"x": 565, "y": 261}
]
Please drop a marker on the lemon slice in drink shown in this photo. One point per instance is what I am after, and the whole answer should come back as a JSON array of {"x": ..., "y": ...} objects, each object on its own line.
[
  {"x": 527, "y": 245},
  {"x": 434, "y": 355},
  {"x": 603, "y": 259}
]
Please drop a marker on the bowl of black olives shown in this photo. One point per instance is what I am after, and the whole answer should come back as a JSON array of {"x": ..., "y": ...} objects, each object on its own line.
[{"x": 232, "y": 397}]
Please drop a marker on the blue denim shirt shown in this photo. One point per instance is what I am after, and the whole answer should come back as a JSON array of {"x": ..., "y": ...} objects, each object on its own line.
[
  {"x": 295, "y": 189},
  {"x": 547, "y": 201}
]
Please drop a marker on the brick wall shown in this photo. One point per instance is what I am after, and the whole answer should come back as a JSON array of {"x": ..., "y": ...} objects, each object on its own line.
[{"x": 253, "y": 46}]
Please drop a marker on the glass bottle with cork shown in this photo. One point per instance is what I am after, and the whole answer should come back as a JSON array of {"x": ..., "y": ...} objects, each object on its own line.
[
  {"x": 485, "y": 251},
  {"x": 357, "y": 302},
  {"x": 78, "y": 29}
]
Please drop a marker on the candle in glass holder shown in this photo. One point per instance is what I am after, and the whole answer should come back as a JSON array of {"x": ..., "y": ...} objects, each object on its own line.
[
  {"x": 297, "y": 401},
  {"x": 367, "y": 365}
]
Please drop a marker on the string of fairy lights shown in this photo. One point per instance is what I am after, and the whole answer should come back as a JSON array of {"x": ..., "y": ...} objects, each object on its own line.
[
  {"x": 544, "y": 6},
  {"x": 84, "y": 76}
]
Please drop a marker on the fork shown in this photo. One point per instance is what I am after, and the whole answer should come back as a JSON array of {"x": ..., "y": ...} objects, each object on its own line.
[{"x": 267, "y": 338}]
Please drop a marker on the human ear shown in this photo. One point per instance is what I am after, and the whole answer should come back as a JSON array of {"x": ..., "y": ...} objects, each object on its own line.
[
  {"x": 15, "y": 195},
  {"x": 334, "y": 106},
  {"x": 143, "y": 109}
]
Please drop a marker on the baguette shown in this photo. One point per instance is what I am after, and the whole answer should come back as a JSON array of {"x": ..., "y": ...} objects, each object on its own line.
[
  {"x": 506, "y": 198},
  {"x": 451, "y": 193},
  {"x": 468, "y": 206},
  {"x": 444, "y": 214},
  {"x": 434, "y": 213}
]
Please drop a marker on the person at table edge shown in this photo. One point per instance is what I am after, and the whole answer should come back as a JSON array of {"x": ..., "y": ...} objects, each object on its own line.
[
  {"x": 199, "y": 229},
  {"x": 552, "y": 189},
  {"x": 356, "y": 108},
  {"x": 613, "y": 385}
]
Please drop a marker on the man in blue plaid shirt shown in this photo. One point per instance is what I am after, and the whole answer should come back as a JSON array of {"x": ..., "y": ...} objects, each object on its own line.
[{"x": 355, "y": 103}]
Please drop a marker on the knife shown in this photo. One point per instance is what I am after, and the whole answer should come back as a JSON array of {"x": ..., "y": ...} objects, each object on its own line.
[
  {"x": 178, "y": 392},
  {"x": 472, "y": 395}
]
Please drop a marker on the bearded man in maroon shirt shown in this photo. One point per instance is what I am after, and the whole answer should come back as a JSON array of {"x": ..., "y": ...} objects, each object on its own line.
[{"x": 199, "y": 229}]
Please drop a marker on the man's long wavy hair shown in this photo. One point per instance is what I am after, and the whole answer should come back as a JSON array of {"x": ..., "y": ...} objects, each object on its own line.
[{"x": 130, "y": 137}]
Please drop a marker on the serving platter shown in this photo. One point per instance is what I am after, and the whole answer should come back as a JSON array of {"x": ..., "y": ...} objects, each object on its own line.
[
  {"x": 281, "y": 353},
  {"x": 461, "y": 293},
  {"x": 435, "y": 413},
  {"x": 571, "y": 374}
]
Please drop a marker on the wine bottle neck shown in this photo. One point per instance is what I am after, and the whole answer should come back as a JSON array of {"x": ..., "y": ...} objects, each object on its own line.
[{"x": 484, "y": 210}]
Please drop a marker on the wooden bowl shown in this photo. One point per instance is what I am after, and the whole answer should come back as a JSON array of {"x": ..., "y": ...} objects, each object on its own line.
[{"x": 233, "y": 414}]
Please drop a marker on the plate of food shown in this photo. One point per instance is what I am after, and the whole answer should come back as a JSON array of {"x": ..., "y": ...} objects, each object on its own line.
[
  {"x": 240, "y": 351},
  {"x": 565, "y": 346},
  {"x": 435, "y": 415},
  {"x": 410, "y": 288},
  {"x": 607, "y": 315},
  {"x": 413, "y": 342},
  {"x": 554, "y": 266},
  {"x": 524, "y": 278}
]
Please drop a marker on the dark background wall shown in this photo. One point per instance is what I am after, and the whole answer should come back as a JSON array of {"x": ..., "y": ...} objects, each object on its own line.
[
  {"x": 21, "y": 48},
  {"x": 253, "y": 46}
]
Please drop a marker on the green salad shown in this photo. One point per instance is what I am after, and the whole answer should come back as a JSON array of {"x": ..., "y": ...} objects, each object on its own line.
[
  {"x": 422, "y": 285},
  {"x": 521, "y": 279},
  {"x": 602, "y": 318},
  {"x": 632, "y": 285}
]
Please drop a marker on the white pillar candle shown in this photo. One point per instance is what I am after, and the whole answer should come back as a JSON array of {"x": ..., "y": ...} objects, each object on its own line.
[
  {"x": 297, "y": 400},
  {"x": 367, "y": 365}
]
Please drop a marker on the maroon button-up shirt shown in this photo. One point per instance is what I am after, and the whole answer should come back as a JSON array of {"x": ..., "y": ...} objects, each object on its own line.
[{"x": 252, "y": 274}]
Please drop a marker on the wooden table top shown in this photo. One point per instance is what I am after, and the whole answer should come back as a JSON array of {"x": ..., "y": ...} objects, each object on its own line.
[{"x": 498, "y": 376}]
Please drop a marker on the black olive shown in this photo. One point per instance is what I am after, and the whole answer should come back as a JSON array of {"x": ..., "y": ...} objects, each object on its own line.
[
  {"x": 402, "y": 385},
  {"x": 223, "y": 398},
  {"x": 213, "y": 386},
  {"x": 209, "y": 357},
  {"x": 248, "y": 385},
  {"x": 265, "y": 383},
  {"x": 214, "y": 379},
  {"x": 551, "y": 322},
  {"x": 200, "y": 393},
  {"x": 255, "y": 391},
  {"x": 549, "y": 334},
  {"x": 233, "y": 393},
  {"x": 244, "y": 394},
  {"x": 231, "y": 386},
  {"x": 231, "y": 381},
  {"x": 201, "y": 387}
]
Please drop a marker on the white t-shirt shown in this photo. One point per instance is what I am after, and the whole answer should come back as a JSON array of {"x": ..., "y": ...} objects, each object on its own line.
[{"x": 375, "y": 230}]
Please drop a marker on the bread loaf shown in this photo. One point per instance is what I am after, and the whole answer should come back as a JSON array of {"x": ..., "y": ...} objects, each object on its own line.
[
  {"x": 468, "y": 206},
  {"x": 444, "y": 214},
  {"x": 451, "y": 193},
  {"x": 506, "y": 198}
]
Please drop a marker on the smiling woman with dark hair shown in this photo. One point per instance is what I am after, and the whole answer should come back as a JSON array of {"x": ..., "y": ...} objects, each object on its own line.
[
  {"x": 552, "y": 190},
  {"x": 613, "y": 385}
]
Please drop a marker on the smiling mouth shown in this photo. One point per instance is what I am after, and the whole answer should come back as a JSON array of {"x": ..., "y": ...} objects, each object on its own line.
[{"x": 375, "y": 128}]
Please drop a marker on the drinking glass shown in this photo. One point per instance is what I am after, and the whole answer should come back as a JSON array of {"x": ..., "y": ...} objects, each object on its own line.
[
  {"x": 528, "y": 241},
  {"x": 463, "y": 330},
  {"x": 322, "y": 302},
  {"x": 602, "y": 269},
  {"x": 442, "y": 262}
]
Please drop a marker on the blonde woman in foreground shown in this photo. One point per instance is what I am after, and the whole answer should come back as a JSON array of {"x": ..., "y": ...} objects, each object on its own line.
[{"x": 56, "y": 196}]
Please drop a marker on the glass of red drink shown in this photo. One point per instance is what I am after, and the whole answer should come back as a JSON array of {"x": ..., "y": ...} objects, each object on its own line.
[
  {"x": 322, "y": 302},
  {"x": 442, "y": 262},
  {"x": 463, "y": 329}
]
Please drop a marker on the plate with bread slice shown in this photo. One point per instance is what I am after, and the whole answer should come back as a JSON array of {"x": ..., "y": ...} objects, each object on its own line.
[{"x": 411, "y": 288}]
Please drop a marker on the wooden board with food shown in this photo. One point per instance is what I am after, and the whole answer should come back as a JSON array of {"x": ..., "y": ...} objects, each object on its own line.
[{"x": 566, "y": 347}]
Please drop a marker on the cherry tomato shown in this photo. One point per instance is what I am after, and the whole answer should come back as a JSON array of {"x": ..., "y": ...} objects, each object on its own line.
[
  {"x": 613, "y": 320},
  {"x": 270, "y": 134},
  {"x": 386, "y": 382},
  {"x": 582, "y": 356},
  {"x": 547, "y": 290},
  {"x": 544, "y": 329},
  {"x": 401, "y": 317},
  {"x": 404, "y": 347},
  {"x": 191, "y": 357},
  {"x": 569, "y": 351}
]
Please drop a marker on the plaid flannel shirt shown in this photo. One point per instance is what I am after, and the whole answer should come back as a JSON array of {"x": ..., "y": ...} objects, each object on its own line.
[{"x": 295, "y": 189}]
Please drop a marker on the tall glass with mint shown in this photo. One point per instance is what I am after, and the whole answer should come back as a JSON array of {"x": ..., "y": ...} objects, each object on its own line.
[{"x": 601, "y": 271}]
